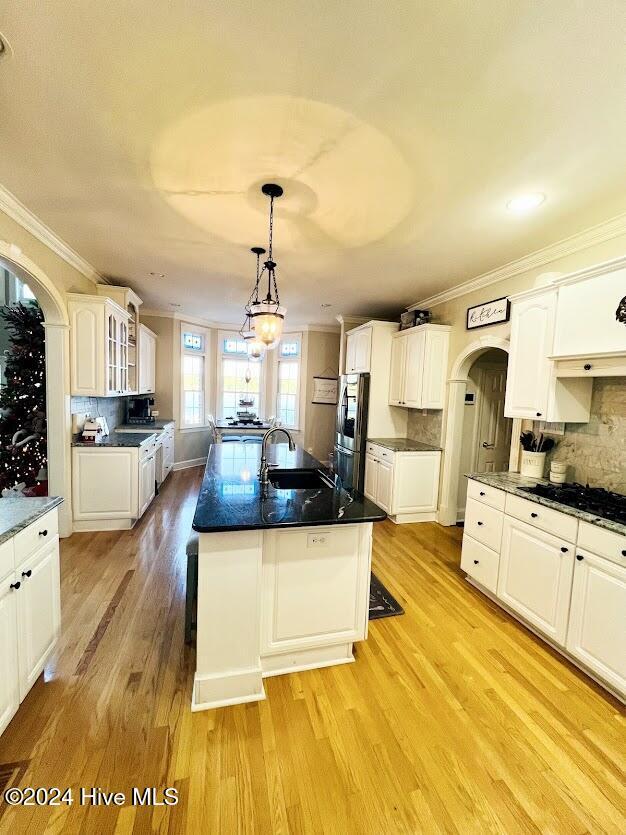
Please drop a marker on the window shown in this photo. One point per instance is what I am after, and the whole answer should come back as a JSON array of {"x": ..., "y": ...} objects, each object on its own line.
[
  {"x": 235, "y": 394},
  {"x": 193, "y": 376},
  {"x": 288, "y": 381}
]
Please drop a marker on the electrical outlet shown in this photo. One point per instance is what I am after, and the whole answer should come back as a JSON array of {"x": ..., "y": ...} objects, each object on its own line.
[{"x": 316, "y": 540}]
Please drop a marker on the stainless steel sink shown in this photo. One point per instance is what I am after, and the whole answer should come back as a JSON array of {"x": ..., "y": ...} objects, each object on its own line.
[{"x": 299, "y": 480}]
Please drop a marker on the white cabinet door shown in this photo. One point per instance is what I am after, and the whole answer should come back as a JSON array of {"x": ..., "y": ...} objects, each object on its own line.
[
  {"x": 396, "y": 371},
  {"x": 414, "y": 370},
  {"x": 38, "y": 613},
  {"x": 147, "y": 361},
  {"x": 104, "y": 483},
  {"x": 87, "y": 339},
  {"x": 416, "y": 482},
  {"x": 529, "y": 372},
  {"x": 597, "y": 626},
  {"x": 146, "y": 483},
  {"x": 9, "y": 675},
  {"x": 435, "y": 355},
  {"x": 384, "y": 487},
  {"x": 350, "y": 353},
  {"x": 370, "y": 485},
  {"x": 315, "y": 587},
  {"x": 363, "y": 350},
  {"x": 535, "y": 577}
]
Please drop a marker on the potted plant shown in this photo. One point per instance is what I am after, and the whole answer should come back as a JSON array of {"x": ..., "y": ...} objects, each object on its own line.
[{"x": 534, "y": 450}]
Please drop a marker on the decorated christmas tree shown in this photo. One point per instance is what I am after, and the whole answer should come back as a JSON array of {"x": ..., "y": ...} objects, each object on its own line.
[{"x": 23, "y": 401}]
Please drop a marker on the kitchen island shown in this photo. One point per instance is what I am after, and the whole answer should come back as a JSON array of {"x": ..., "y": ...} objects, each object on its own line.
[{"x": 283, "y": 571}]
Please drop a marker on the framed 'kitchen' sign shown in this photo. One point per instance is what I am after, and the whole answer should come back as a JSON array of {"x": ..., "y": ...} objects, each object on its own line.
[
  {"x": 325, "y": 390},
  {"x": 488, "y": 313}
]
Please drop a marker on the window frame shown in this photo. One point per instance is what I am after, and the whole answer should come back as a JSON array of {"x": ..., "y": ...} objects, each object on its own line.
[
  {"x": 296, "y": 360},
  {"x": 221, "y": 356},
  {"x": 205, "y": 355}
]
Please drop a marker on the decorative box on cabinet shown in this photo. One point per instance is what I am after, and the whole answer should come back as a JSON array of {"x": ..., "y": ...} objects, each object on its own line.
[
  {"x": 404, "y": 484},
  {"x": 419, "y": 363},
  {"x": 533, "y": 391},
  {"x": 30, "y": 609},
  {"x": 147, "y": 360},
  {"x": 99, "y": 335}
]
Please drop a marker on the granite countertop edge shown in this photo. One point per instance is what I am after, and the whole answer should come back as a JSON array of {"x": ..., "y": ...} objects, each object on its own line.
[
  {"x": 22, "y": 512},
  {"x": 404, "y": 444},
  {"x": 512, "y": 482},
  {"x": 116, "y": 439}
]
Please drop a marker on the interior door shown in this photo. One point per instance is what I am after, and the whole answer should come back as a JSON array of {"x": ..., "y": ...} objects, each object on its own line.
[
  {"x": 38, "y": 612},
  {"x": 9, "y": 679},
  {"x": 535, "y": 577},
  {"x": 494, "y": 430}
]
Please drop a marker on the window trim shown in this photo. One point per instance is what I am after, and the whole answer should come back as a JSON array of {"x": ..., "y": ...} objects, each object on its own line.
[
  {"x": 221, "y": 356},
  {"x": 291, "y": 360},
  {"x": 191, "y": 352}
]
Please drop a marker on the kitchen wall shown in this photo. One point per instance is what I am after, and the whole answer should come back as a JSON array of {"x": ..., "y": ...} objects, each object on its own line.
[
  {"x": 319, "y": 420},
  {"x": 596, "y": 451}
]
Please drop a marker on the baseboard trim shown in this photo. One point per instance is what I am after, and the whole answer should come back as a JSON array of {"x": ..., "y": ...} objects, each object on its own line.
[
  {"x": 406, "y": 518},
  {"x": 191, "y": 462},
  {"x": 308, "y": 659},
  {"x": 103, "y": 525},
  {"x": 226, "y": 689}
]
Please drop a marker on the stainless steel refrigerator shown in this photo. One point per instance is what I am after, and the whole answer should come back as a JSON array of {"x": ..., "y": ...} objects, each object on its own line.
[{"x": 351, "y": 430}]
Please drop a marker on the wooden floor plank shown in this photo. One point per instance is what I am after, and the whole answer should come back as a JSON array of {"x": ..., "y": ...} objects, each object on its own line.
[{"x": 454, "y": 718}]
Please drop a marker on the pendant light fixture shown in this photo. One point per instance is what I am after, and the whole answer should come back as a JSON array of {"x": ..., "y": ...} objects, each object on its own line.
[
  {"x": 254, "y": 346},
  {"x": 266, "y": 315}
]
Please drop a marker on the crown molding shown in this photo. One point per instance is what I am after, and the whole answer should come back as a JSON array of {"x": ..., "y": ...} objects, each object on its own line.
[
  {"x": 229, "y": 326},
  {"x": 11, "y": 206},
  {"x": 568, "y": 246}
]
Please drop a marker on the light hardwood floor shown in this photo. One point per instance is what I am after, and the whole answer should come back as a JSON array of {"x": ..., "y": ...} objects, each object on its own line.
[{"x": 453, "y": 719}]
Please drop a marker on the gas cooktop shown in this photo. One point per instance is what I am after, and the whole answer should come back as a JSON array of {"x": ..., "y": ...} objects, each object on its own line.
[{"x": 594, "y": 500}]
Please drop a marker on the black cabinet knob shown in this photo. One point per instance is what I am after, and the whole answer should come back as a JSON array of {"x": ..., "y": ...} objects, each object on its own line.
[
  {"x": 27, "y": 573},
  {"x": 15, "y": 585},
  {"x": 481, "y": 493},
  {"x": 579, "y": 557},
  {"x": 587, "y": 366},
  {"x": 538, "y": 414},
  {"x": 624, "y": 553},
  {"x": 43, "y": 533},
  {"x": 479, "y": 523},
  {"x": 534, "y": 515},
  {"x": 475, "y": 562},
  {"x": 564, "y": 549}
]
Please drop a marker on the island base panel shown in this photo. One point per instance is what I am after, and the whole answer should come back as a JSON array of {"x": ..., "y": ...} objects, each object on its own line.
[{"x": 309, "y": 659}]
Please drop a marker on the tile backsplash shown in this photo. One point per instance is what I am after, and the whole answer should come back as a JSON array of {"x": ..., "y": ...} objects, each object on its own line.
[
  {"x": 596, "y": 451},
  {"x": 112, "y": 408},
  {"x": 425, "y": 425}
]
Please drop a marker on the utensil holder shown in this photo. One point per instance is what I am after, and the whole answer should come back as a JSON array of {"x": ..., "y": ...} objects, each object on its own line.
[{"x": 533, "y": 464}]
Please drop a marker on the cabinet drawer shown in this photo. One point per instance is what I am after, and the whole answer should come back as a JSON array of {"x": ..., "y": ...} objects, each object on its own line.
[
  {"x": 484, "y": 523},
  {"x": 35, "y": 535},
  {"x": 592, "y": 367},
  {"x": 6, "y": 558},
  {"x": 485, "y": 494},
  {"x": 380, "y": 452},
  {"x": 600, "y": 541},
  {"x": 552, "y": 521},
  {"x": 480, "y": 563}
]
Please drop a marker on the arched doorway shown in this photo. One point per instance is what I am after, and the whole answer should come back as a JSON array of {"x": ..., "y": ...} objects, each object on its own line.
[
  {"x": 59, "y": 419},
  {"x": 453, "y": 442}
]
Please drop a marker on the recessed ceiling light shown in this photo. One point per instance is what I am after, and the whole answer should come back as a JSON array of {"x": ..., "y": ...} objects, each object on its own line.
[
  {"x": 5, "y": 48},
  {"x": 525, "y": 202},
  {"x": 326, "y": 304},
  {"x": 157, "y": 275},
  {"x": 173, "y": 304}
]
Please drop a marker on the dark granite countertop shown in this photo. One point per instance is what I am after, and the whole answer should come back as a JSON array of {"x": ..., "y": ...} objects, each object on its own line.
[
  {"x": 157, "y": 426},
  {"x": 17, "y": 514},
  {"x": 404, "y": 445},
  {"x": 513, "y": 482},
  {"x": 116, "y": 439},
  {"x": 231, "y": 497}
]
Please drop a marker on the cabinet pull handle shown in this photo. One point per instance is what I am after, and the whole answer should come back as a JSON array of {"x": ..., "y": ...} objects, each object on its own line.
[
  {"x": 15, "y": 585},
  {"x": 479, "y": 523},
  {"x": 538, "y": 414},
  {"x": 475, "y": 562},
  {"x": 534, "y": 515},
  {"x": 579, "y": 557},
  {"x": 564, "y": 549},
  {"x": 27, "y": 573},
  {"x": 481, "y": 493},
  {"x": 44, "y": 532},
  {"x": 587, "y": 366}
]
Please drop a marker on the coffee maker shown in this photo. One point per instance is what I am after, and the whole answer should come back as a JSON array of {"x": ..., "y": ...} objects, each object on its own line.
[{"x": 139, "y": 410}]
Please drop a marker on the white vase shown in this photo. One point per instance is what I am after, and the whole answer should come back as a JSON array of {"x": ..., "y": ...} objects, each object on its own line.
[{"x": 533, "y": 464}]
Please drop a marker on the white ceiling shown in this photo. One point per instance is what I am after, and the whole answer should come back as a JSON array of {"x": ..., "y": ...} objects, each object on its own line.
[{"x": 141, "y": 132}]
